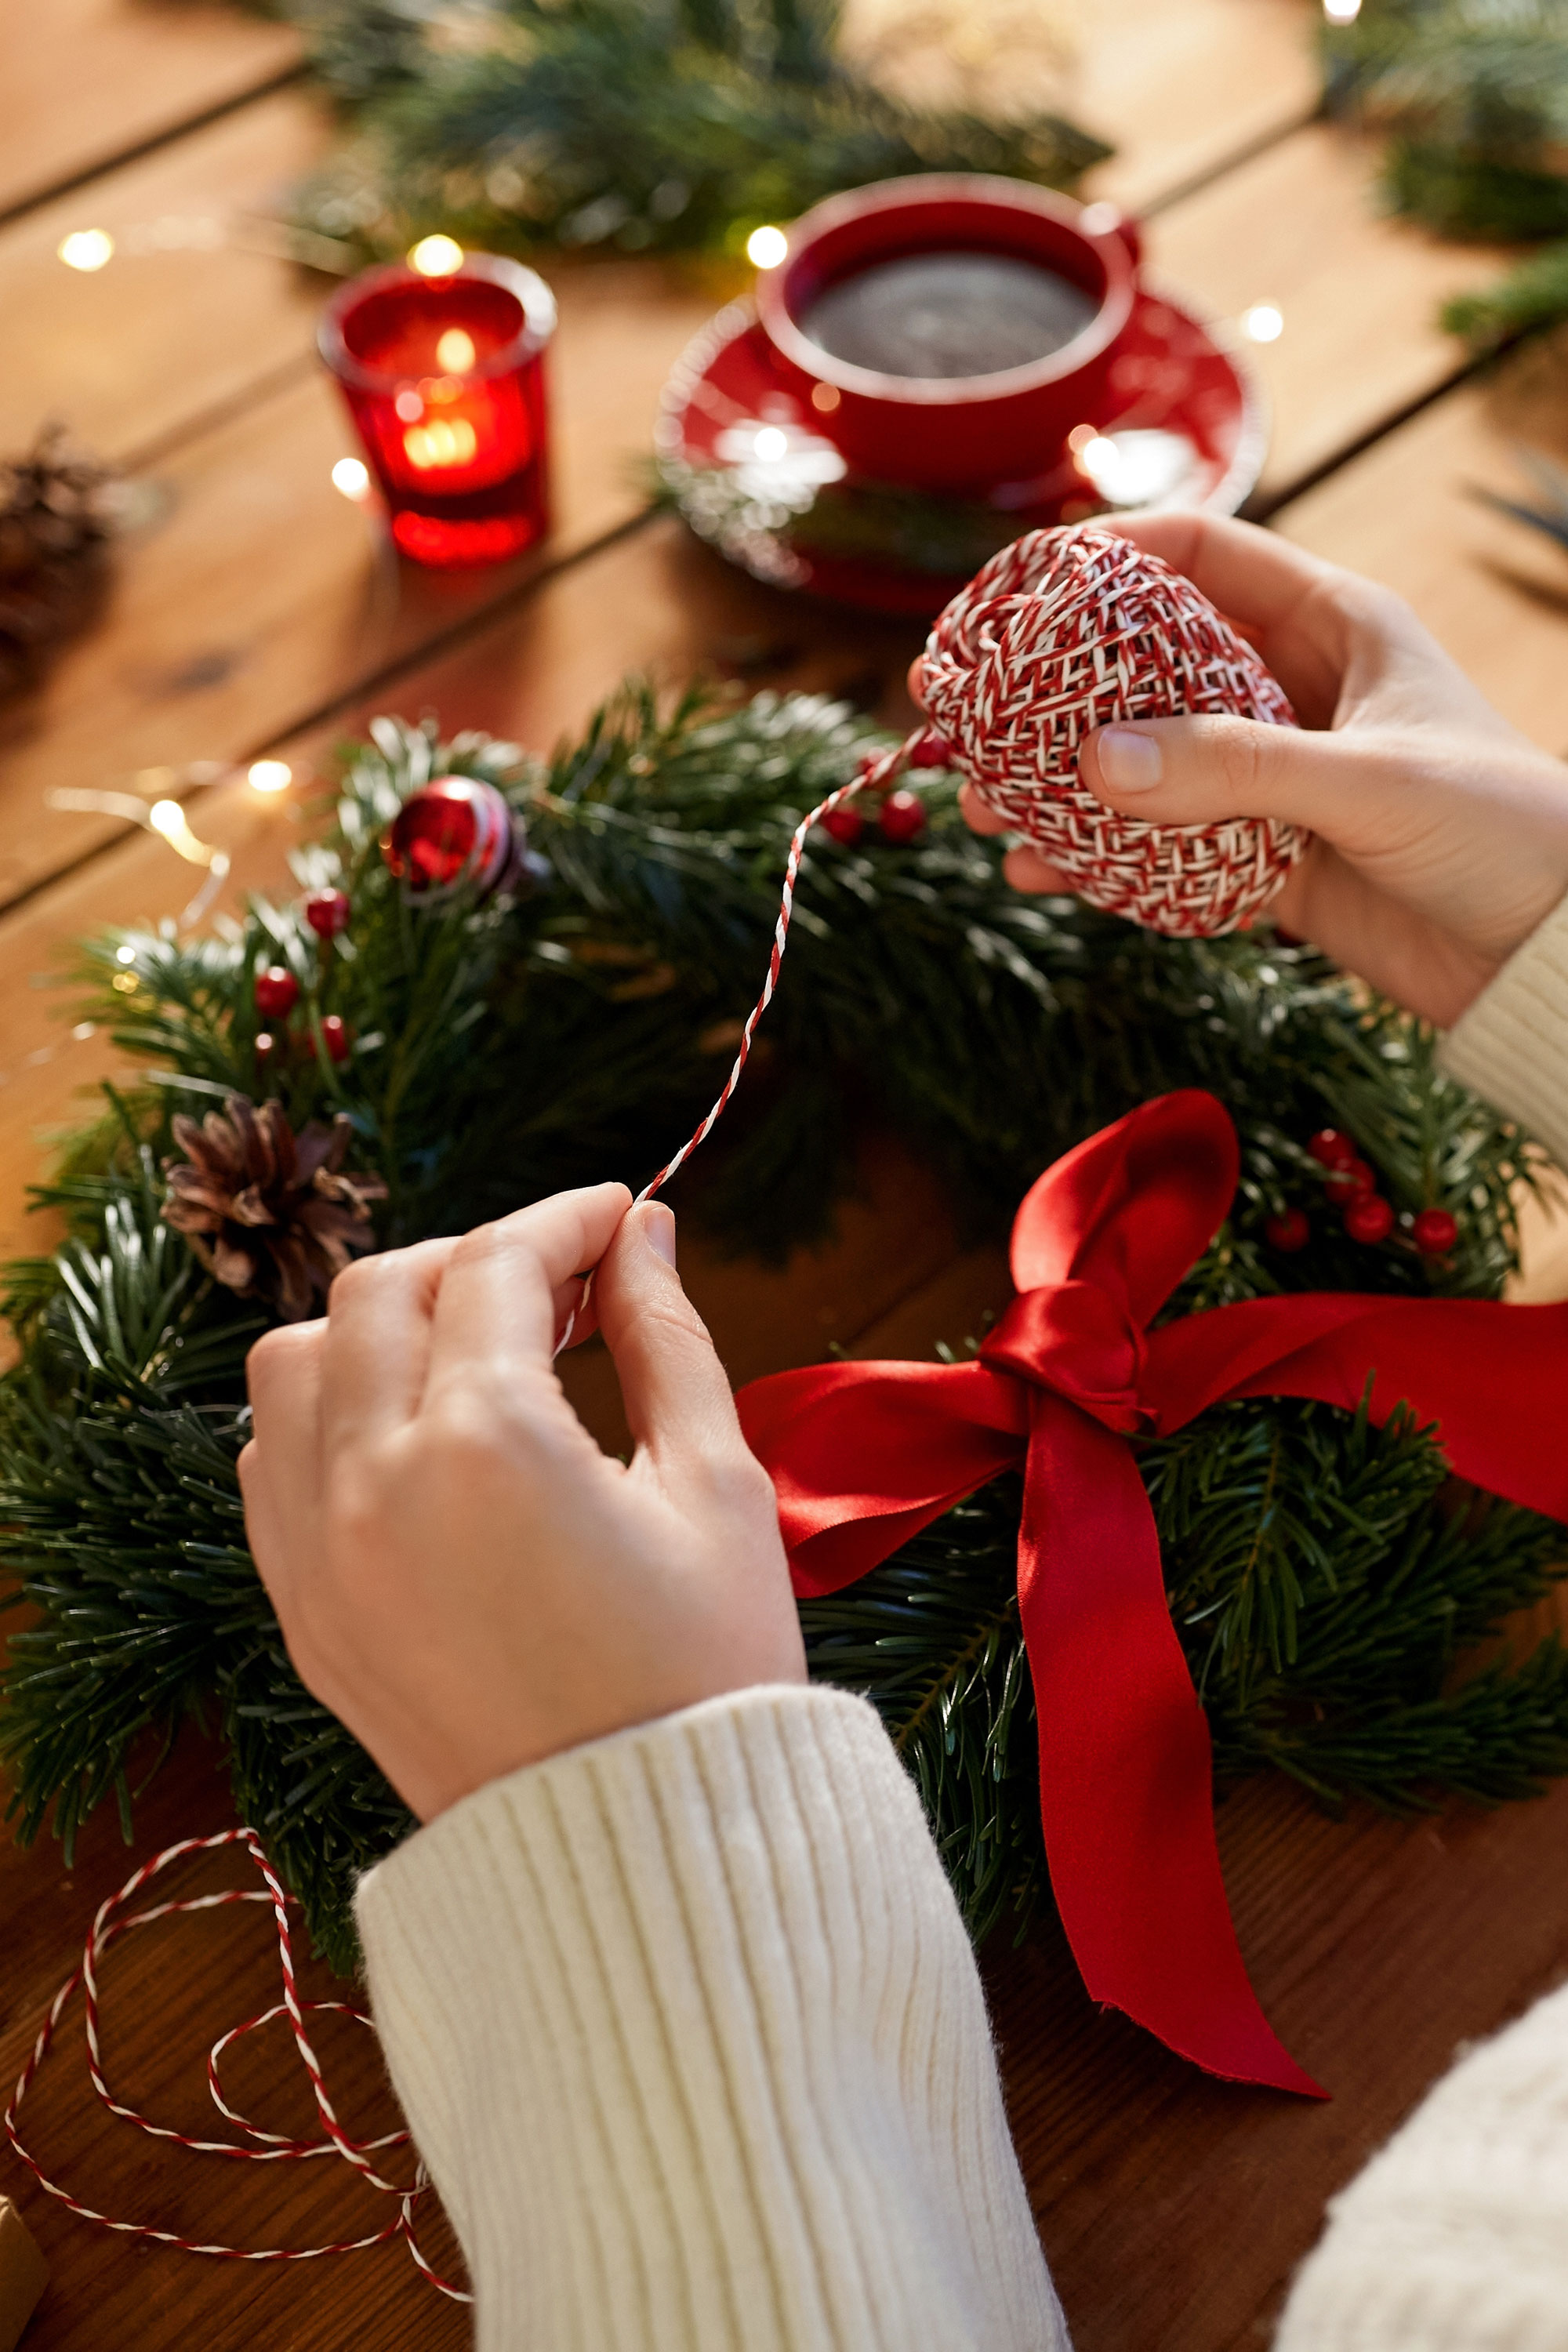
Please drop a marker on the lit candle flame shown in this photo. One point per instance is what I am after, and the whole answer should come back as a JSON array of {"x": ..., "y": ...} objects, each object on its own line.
[{"x": 447, "y": 441}]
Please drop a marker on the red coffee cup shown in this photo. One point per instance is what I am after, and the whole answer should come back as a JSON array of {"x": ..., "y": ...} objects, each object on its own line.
[{"x": 952, "y": 432}]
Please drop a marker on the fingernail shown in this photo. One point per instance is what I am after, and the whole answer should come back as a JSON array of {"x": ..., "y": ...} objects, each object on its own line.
[
  {"x": 1130, "y": 763},
  {"x": 658, "y": 1225}
]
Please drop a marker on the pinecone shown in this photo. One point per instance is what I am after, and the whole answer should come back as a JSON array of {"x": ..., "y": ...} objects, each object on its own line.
[
  {"x": 271, "y": 1212},
  {"x": 56, "y": 512}
]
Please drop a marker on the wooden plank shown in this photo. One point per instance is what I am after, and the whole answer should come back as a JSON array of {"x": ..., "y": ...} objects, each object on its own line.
[
  {"x": 1493, "y": 592},
  {"x": 1298, "y": 228},
  {"x": 87, "y": 81},
  {"x": 257, "y": 596},
  {"x": 189, "y": 313},
  {"x": 1180, "y": 90},
  {"x": 1185, "y": 90}
]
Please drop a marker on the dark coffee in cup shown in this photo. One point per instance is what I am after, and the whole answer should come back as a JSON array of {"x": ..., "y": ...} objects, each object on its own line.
[{"x": 947, "y": 314}]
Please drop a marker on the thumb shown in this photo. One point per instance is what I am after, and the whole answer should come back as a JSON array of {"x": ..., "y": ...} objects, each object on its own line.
[
  {"x": 1200, "y": 769},
  {"x": 675, "y": 1393}
]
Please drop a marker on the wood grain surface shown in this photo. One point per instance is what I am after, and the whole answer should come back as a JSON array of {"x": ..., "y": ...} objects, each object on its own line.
[
  {"x": 253, "y": 612},
  {"x": 88, "y": 81}
]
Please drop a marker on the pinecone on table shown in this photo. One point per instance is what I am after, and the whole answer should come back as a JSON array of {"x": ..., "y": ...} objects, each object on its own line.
[
  {"x": 273, "y": 1214},
  {"x": 56, "y": 510}
]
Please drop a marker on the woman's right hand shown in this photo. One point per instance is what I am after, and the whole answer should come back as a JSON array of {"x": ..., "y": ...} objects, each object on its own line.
[{"x": 1440, "y": 835}]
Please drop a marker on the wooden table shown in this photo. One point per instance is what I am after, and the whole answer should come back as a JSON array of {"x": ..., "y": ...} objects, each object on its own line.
[{"x": 250, "y": 615}]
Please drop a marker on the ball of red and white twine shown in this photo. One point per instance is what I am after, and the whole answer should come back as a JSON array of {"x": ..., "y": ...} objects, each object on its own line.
[{"x": 1068, "y": 630}]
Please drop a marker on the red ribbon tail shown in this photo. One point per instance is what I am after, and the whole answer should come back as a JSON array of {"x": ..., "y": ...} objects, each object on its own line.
[{"x": 1126, "y": 1781}]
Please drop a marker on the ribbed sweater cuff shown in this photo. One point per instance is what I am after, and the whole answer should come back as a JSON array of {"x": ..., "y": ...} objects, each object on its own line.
[
  {"x": 688, "y": 2029},
  {"x": 1512, "y": 1045},
  {"x": 1455, "y": 2239}
]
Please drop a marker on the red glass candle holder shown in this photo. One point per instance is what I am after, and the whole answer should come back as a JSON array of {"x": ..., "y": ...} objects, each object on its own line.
[{"x": 444, "y": 377}]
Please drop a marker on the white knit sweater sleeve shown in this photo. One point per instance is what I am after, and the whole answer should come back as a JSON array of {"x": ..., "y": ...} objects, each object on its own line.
[
  {"x": 688, "y": 2032},
  {"x": 1455, "y": 2237},
  {"x": 1512, "y": 1045}
]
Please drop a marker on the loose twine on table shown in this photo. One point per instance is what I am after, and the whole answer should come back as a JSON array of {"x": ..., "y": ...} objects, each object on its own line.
[{"x": 1079, "y": 601}]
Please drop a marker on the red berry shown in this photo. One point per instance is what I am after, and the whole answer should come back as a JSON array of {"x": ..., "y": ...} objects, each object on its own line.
[
  {"x": 276, "y": 993},
  {"x": 845, "y": 824},
  {"x": 1346, "y": 1184},
  {"x": 932, "y": 751},
  {"x": 1330, "y": 1149},
  {"x": 901, "y": 817},
  {"x": 335, "y": 1038},
  {"x": 1435, "y": 1231},
  {"x": 1288, "y": 1230},
  {"x": 1369, "y": 1218},
  {"x": 327, "y": 912}
]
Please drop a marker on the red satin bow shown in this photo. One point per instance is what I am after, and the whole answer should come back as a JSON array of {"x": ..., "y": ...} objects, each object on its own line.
[{"x": 864, "y": 1456}]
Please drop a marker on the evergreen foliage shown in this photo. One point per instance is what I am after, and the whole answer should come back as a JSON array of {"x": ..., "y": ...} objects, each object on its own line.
[
  {"x": 636, "y": 125},
  {"x": 1474, "y": 94},
  {"x": 1323, "y": 1578}
]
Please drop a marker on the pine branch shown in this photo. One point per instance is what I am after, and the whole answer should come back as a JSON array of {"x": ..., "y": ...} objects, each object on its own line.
[{"x": 641, "y": 125}]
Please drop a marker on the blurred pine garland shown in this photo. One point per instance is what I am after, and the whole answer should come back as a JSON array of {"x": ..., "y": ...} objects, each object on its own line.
[
  {"x": 1322, "y": 1579},
  {"x": 1475, "y": 93},
  {"x": 632, "y": 125}
]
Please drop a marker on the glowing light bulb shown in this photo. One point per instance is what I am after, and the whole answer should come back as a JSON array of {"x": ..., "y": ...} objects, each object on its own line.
[
  {"x": 766, "y": 248},
  {"x": 352, "y": 480},
  {"x": 771, "y": 444},
  {"x": 1265, "y": 323},
  {"x": 454, "y": 351},
  {"x": 1341, "y": 12},
  {"x": 269, "y": 776},
  {"x": 168, "y": 818},
  {"x": 125, "y": 953},
  {"x": 86, "y": 248},
  {"x": 436, "y": 257}
]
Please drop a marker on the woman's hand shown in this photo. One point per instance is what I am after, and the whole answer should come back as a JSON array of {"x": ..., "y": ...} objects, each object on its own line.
[
  {"x": 460, "y": 1574},
  {"x": 1440, "y": 835}
]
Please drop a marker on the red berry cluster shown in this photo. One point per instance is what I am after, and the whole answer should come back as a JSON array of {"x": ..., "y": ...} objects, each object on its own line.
[
  {"x": 901, "y": 817},
  {"x": 277, "y": 992},
  {"x": 1351, "y": 1183}
]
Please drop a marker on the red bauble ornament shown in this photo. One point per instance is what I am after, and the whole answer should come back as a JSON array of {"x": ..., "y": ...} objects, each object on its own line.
[
  {"x": 335, "y": 1037},
  {"x": 1289, "y": 1231},
  {"x": 932, "y": 751},
  {"x": 1068, "y": 630},
  {"x": 327, "y": 912},
  {"x": 846, "y": 824},
  {"x": 1369, "y": 1219},
  {"x": 1330, "y": 1149},
  {"x": 276, "y": 993},
  {"x": 1355, "y": 1177},
  {"x": 1435, "y": 1231},
  {"x": 453, "y": 834},
  {"x": 901, "y": 817}
]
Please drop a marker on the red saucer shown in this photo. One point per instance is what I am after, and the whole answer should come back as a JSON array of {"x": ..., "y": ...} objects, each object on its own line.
[{"x": 754, "y": 470}]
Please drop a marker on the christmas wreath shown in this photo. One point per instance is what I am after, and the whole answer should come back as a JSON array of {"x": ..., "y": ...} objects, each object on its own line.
[{"x": 533, "y": 976}]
